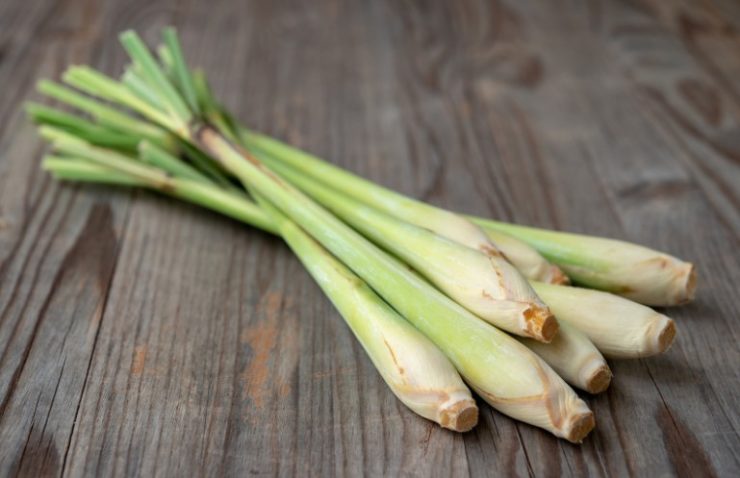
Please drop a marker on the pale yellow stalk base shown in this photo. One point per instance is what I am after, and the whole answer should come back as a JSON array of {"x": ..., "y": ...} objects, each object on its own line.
[
  {"x": 617, "y": 326},
  {"x": 660, "y": 280},
  {"x": 556, "y": 408},
  {"x": 575, "y": 358},
  {"x": 630, "y": 270}
]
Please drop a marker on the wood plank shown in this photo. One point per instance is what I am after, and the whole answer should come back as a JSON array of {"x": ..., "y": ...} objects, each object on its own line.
[{"x": 141, "y": 336}]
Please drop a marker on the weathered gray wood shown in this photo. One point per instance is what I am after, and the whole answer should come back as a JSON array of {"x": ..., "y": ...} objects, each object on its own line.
[{"x": 140, "y": 336}]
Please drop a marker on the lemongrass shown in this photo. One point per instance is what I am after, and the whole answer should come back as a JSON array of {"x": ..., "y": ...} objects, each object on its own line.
[
  {"x": 487, "y": 285},
  {"x": 630, "y": 270},
  {"x": 503, "y": 371},
  {"x": 575, "y": 358},
  {"x": 617, "y": 326}
]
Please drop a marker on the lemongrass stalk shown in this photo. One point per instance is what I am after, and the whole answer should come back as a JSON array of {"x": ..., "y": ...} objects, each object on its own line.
[
  {"x": 77, "y": 169},
  {"x": 487, "y": 285},
  {"x": 526, "y": 259},
  {"x": 575, "y": 358},
  {"x": 636, "y": 272},
  {"x": 415, "y": 370},
  {"x": 617, "y": 326},
  {"x": 505, "y": 373}
]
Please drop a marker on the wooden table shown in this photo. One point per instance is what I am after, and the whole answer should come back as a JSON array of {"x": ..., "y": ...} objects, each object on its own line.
[{"x": 143, "y": 336}]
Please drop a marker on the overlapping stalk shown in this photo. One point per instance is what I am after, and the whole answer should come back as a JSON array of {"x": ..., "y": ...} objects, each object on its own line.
[{"x": 414, "y": 368}]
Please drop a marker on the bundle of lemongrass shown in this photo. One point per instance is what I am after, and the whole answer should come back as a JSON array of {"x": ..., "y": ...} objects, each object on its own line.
[{"x": 437, "y": 300}]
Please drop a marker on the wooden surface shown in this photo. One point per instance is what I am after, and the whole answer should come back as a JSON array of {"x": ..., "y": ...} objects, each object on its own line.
[{"x": 140, "y": 336}]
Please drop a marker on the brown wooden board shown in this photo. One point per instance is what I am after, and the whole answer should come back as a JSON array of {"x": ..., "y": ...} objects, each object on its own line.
[{"x": 140, "y": 336}]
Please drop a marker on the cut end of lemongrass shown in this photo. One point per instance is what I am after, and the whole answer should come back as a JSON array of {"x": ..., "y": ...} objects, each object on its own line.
[
  {"x": 664, "y": 331},
  {"x": 686, "y": 281},
  {"x": 460, "y": 415},
  {"x": 540, "y": 324},
  {"x": 598, "y": 378},
  {"x": 578, "y": 427}
]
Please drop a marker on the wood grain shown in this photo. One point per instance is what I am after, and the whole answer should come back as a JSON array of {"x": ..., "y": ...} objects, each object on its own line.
[{"x": 143, "y": 337}]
